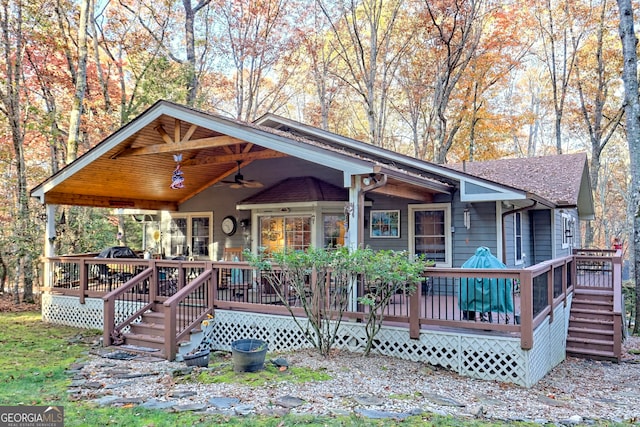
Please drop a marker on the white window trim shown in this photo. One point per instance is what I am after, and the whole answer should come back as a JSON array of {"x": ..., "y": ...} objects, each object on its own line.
[
  {"x": 446, "y": 207},
  {"x": 515, "y": 240},
  {"x": 257, "y": 215},
  {"x": 188, "y": 216},
  {"x": 568, "y": 223}
]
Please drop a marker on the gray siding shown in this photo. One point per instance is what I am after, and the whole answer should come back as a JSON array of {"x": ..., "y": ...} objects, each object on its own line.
[
  {"x": 481, "y": 233},
  {"x": 382, "y": 202},
  {"x": 541, "y": 239}
]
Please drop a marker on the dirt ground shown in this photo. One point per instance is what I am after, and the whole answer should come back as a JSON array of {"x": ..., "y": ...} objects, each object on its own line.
[{"x": 7, "y": 304}]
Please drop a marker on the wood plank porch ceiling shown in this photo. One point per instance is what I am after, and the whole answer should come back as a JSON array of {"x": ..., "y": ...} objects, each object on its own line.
[{"x": 137, "y": 172}]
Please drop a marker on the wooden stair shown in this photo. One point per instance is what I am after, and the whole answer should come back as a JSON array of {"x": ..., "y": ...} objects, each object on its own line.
[
  {"x": 148, "y": 335},
  {"x": 592, "y": 326}
]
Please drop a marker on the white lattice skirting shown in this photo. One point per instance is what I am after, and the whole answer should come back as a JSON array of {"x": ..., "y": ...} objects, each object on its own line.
[{"x": 474, "y": 355}]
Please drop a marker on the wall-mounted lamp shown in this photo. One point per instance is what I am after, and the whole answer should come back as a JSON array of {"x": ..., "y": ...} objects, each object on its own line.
[
  {"x": 371, "y": 179},
  {"x": 568, "y": 234},
  {"x": 467, "y": 219}
]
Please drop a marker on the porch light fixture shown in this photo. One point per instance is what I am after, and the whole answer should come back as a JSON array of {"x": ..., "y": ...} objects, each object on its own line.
[
  {"x": 467, "y": 219},
  {"x": 371, "y": 179}
]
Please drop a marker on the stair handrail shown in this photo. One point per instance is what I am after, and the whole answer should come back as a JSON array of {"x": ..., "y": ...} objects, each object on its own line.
[
  {"x": 112, "y": 331},
  {"x": 172, "y": 335}
]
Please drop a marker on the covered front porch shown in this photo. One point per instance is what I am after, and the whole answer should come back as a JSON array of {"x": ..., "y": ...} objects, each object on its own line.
[{"x": 428, "y": 325}]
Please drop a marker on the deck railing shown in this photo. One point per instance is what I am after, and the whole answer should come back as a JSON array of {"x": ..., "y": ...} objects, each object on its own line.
[{"x": 513, "y": 301}]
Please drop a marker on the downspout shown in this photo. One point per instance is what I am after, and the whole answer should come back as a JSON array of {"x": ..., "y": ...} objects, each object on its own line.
[{"x": 504, "y": 237}]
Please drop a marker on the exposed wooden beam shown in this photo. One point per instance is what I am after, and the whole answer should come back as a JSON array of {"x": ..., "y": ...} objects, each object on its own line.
[
  {"x": 163, "y": 133},
  {"x": 226, "y": 158},
  {"x": 189, "y": 134},
  {"x": 404, "y": 191},
  {"x": 174, "y": 147},
  {"x": 108, "y": 202}
]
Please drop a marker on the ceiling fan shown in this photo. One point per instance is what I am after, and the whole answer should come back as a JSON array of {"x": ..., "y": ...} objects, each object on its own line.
[{"x": 240, "y": 182}]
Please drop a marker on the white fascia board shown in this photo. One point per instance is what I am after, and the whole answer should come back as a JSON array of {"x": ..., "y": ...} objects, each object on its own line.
[
  {"x": 348, "y": 165},
  {"x": 487, "y": 192},
  {"x": 501, "y": 192},
  {"x": 99, "y": 150}
]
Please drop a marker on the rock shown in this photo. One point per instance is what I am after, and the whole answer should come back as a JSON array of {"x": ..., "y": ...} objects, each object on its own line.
[
  {"x": 373, "y": 414},
  {"x": 224, "y": 402},
  {"x": 190, "y": 407},
  {"x": 368, "y": 400},
  {"x": 443, "y": 400},
  {"x": 289, "y": 401},
  {"x": 244, "y": 409},
  {"x": 181, "y": 394},
  {"x": 157, "y": 404}
]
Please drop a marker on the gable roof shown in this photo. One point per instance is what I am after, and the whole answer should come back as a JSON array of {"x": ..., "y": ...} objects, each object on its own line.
[
  {"x": 133, "y": 166},
  {"x": 562, "y": 179}
]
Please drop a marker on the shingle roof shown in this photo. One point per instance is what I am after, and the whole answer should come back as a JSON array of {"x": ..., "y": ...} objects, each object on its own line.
[
  {"x": 557, "y": 178},
  {"x": 299, "y": 189}
]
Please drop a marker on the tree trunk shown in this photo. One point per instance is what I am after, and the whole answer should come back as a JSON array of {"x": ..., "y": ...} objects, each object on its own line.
[
  {"x": 632, "y": 121},
  {"x": 81, "y": 85}
]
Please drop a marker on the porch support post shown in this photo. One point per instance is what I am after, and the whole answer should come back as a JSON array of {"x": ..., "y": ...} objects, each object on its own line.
[
  {"x": 50, "y": 231},
  {"x": 354, "y": 215},
  {"x": 49, "y": 243}
]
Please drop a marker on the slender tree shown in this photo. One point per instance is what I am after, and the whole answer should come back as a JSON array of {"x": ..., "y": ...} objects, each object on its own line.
[
  {"x": 632, "y": 120},
  {"x": 365, "y": 36},
  {"x": 596, "y": 73},
  {"x": 13, "y": 101},
  {"x": 75, "y": 117}
]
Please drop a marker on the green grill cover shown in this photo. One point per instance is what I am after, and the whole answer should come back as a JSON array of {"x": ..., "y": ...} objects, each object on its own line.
[{"x": 485, "y": 295}]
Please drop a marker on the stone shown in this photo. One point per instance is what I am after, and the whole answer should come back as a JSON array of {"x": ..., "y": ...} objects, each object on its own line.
[
  {"x": 289, "y": 401},
  {"x": 181, "y": 394},
  {"x": 443, "y": 400},
  {"x": 190, "y": 407},
  {"x": 157, "y": 404},
  {"x": 105, "y": 400},
  {"x": 368, "y": 400},
  {"x": 224, "y": 402},
  {"x": 246, "y": 409},
  {"x": 373, "y": 414}
]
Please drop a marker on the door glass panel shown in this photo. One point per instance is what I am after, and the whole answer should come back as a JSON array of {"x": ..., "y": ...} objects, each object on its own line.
[
  {"x": 429, "y": 234},
  {"x": 333, "y": 230},
  {"x": 200, "y": 237},
  {"x": 178, "y": 232}
]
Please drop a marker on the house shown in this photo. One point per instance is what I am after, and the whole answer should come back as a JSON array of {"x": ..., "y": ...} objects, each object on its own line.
[
  {"x": 214, "y": 183},
  {"x": 322, "y": 184}
]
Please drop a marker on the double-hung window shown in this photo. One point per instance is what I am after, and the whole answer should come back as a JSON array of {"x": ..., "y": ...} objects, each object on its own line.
[
  {"x": 517, "y": 237},
  {"x": 430, "y": 232}
]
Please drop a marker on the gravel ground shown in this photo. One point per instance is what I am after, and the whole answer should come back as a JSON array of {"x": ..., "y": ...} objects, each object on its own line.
[{"x": 577, "y": 389}]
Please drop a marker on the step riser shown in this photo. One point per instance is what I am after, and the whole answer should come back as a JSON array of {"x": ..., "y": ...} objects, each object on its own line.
[
  {"x": 591, "y": 315},
  {"x": 143, "y": 343},
  {"x": 594, "y": 298},
  {"x": 591, "y": 335},
  {"x": 593, "y": 305},
  {"x": 144, "y": 329},
  {"x": 590, "y": 324},
  {"x": 595, "y": 347}
]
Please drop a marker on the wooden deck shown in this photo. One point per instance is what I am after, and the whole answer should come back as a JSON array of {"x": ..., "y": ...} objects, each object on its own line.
[{"x": 532, "y": 293}]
